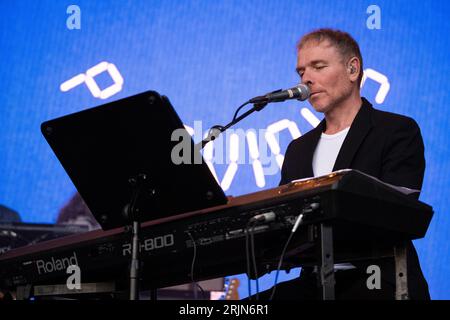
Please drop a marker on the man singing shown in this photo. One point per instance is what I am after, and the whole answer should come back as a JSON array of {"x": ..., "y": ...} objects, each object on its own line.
[{"x": 352, "y": 135}]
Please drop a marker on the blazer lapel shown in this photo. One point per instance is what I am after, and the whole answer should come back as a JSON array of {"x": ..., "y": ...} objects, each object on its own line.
[{"x": 358, "y": 131}]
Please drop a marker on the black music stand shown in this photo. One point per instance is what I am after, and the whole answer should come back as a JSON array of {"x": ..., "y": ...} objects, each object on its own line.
[{"x": 124, "y": 159}]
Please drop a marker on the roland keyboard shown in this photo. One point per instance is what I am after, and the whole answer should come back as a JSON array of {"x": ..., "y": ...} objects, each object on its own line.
[{"x": 364, "y": 213}]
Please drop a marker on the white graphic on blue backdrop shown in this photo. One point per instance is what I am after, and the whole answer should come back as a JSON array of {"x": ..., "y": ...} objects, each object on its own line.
[
  {"x": 89, "y": 79},
  {"x": 235, "y": 142}
]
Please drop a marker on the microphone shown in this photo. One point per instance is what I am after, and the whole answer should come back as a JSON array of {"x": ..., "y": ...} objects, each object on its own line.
[{"x": 300, "y": 92}]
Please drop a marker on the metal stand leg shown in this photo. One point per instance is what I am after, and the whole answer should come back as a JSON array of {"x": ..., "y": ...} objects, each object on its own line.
[
  {"x": 326, "y": 269},
  {"x": 134, "y": 267},
  {"x": 401, "y": 275},
  {"x": 132, "y": 212}
]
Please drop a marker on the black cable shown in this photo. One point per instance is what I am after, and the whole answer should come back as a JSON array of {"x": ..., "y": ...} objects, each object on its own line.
[
  {"x": 239, "y": 109},
  {"x": 192, "y": 269},
  {"x": 308, "y": 209},
  {"x": 250, "y": 251},
  {"x": 247, "y": 258},
  {"x": 257, "y": 107},
  {"x": 255, "y": 267},
  {"x": 280, "y": 263}
]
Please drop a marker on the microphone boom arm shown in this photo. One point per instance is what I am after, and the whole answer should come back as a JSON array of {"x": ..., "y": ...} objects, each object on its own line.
[
  {"x": 216, "y": 130},
  {"x": 300, "y": 92}
]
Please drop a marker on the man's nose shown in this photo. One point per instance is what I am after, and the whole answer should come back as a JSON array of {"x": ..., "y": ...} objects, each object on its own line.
[{"x": 307, "y": 79}]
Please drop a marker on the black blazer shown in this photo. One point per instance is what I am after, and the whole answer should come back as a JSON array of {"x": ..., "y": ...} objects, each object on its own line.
[{"x": 384, "y": 145}]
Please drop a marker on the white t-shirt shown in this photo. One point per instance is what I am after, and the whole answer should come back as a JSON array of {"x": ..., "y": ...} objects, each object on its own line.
[
  {"x": 327, "y": 151},
  {"x": 324, "y": 158}
]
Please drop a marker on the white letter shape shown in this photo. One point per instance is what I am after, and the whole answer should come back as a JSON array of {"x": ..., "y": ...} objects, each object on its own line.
[
  {"x": 74, "y": 281},
  {"x": 374, "y": 281}
]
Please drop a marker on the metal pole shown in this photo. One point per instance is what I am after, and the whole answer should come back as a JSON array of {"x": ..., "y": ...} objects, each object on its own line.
[
  {"x": 134, "y": 267},
  {"x": 326, "y": 269}
]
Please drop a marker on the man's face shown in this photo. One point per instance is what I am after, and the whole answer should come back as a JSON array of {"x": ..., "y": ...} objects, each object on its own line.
[{"x": 322, "y": 68}]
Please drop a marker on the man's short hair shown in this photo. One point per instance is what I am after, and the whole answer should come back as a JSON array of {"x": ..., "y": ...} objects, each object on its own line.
[
  {"x": 342, "y": 41},
  {"x": 75, "y": 211},
  {"x": 9, "y": 215}
]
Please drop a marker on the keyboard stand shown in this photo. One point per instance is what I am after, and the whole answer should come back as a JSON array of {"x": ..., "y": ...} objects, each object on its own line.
[
  {"x": 326, "y": 281},
  {"x": 401, "y": 275}
]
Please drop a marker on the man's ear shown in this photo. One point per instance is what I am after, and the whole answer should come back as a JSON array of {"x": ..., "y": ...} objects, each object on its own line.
[{"x": 354, "y": 68}]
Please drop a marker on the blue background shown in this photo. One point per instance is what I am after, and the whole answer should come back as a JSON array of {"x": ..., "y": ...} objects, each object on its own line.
[{"x": 208, "y": 57}]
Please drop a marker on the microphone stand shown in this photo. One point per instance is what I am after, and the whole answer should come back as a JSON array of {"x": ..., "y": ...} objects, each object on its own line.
[
  {"x": 216, "y": 130},
  {"x": 131, "y": 211},
  {"x": 258, "y": 104}
]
